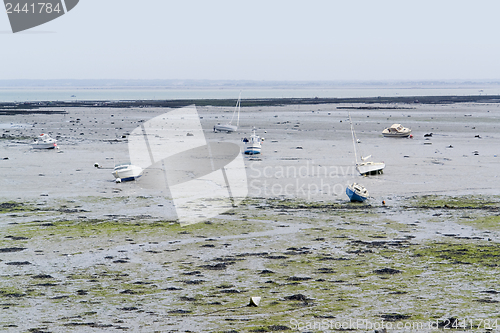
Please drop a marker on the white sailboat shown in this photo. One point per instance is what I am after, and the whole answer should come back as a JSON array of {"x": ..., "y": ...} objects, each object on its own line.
[
  {"x": 364, "y": 167},
  {"x": 228, "y": 127}
]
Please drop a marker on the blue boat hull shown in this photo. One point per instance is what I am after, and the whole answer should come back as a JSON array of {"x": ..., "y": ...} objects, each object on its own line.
[
  {"x": 129, "y": 178},
  {"x": 354, "y": 196},
  {"x": 252, "y": 152}
]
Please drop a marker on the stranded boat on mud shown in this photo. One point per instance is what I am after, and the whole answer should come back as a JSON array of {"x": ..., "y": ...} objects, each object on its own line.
[
  {"x": 357, "y": 192},
  {"x": 253, "y": 145},
  {"x": 396, "y": 131},
  {"x": 44, "y": 141},
  {"x": 228, "y": 127},
  {"x": 126, "y": 172},
  {"x": 364, "y": 167}
]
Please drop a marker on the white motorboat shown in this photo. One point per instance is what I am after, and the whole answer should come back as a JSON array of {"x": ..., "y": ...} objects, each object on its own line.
[
  {"x": 44, "y": 141},
  {"x": 364, "y": 167},
  {"x": 228, "y": 127},
  {"x": 357, "y": 192},
  {"x": 396, "y": 131},
  {"x": 125, "y": 172},
  {"x": 253, "y": 145}
]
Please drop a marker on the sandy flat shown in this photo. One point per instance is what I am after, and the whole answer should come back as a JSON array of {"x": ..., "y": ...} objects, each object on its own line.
[{"x": 319, "y": 170}]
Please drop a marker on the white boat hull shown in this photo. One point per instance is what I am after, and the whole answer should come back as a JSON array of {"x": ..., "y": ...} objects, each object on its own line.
[
  {"x": 130, "y": 173},
  {"x": 252, "y": 150},
  {"x": 225, "y": 128},
  {"x": 44, "y": 141},
  {"x": 396, "y": 131},
  {"x": 253, "y": 146},
  {"x": 46, "y": 145},
  {"x": 366, "y": 168},
  {"x": 397, "y": 135}
]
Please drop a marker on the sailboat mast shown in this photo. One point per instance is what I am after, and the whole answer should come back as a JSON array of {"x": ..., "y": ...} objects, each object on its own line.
[
  {"x": 353, "y": 140},
  {"x": 239, "y": 103},
  {"x": 236, "y": 108}
]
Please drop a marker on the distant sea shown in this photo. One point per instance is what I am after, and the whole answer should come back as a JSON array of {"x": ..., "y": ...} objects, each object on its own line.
[{"x": 19, "y": 94}]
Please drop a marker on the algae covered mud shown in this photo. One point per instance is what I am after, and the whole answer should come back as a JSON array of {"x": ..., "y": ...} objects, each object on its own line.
[
  {"x": 421, "y": 263},
  {"x": 79, "y": 252}
]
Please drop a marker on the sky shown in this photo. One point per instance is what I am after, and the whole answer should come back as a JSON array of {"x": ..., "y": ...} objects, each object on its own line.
[{"x": 283, "y": 40}]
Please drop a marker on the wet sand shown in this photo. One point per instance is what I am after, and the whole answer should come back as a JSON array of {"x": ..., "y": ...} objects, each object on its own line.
[{"x": 79, "y": 252}]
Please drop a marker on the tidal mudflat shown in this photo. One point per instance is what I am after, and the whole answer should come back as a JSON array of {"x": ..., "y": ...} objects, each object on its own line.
[{"x": 79, "y": 252}]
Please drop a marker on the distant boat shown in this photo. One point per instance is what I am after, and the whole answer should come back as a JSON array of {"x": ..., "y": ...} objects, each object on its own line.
[
  {"x": 357, "y": 192},
  {"x": 363, "y": 167},
  {"x": 73, "y": 95},
  {"x": 228, "y": 127},
  {"x": 396, "y": 131},
  {"x": 125, "y": 172},
  {"x": 253, "y": 145},
  {"x": 44, "y": 141}
]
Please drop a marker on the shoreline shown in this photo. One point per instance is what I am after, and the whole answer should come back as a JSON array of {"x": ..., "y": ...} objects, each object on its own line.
[{"x": 451, "y": 99}]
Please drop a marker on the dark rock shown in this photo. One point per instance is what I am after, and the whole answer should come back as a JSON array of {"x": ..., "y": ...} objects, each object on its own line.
[
  {"x": 42, "y": 276},
  {"x": 297, "y": 297},
  {"x": 18, "y": 263},
  {"x": 17, "y": 237},
  {"x": 180, "y": 311},
  {"x": 217, "y": 267},
  {"x": 230, "y": 291},
  {"x": 298, "y": 278},
  {"x": 128, "y": 291},
  {"x": 386, "y": 271},
  {"x": 120, "y": 261},
  {"x": 274, "y": 328},
  {"x": 12, "y": 249},
  {"x": 193, "y": 281},
  {"x": 266, "y": 271},
  {"x": 394, "y": 316}
]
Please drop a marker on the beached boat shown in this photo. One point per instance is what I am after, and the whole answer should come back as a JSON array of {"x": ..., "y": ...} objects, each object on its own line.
[
  {"x": 228, "y": 127},
  {"x": 357, "y": 192},
  {"x": 125, "y": 172},
  {"x": 44, "y": 141},
  {"x": 364, "y": 167},
  {"x": 396, "y": 131},
  {"x": 253, "y": 145}
]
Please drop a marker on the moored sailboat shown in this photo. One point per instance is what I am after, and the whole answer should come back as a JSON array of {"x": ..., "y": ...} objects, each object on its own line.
[{"x": 364, "y": 167}]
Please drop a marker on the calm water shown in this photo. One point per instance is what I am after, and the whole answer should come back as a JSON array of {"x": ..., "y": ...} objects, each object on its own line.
[{"x": 67, "y": 94}]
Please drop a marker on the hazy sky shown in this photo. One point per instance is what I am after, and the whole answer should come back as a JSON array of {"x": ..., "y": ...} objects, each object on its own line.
[{"x": 260, "y": 40}]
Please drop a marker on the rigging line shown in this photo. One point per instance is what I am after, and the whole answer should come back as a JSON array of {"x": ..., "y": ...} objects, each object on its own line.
[{"x": 353, "y": 141}]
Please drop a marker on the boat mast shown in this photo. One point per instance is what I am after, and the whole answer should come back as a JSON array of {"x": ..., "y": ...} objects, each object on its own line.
[
  {"x": 236, "y": 108},
  {"x": 239, "y": 103},
  {"x": 353, "y": 140}
]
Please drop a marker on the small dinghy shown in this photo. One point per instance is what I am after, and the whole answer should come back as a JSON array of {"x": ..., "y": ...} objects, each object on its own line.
[
  {"x": 44, "y": 141},
  {"x": 126, "y": 172}
]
